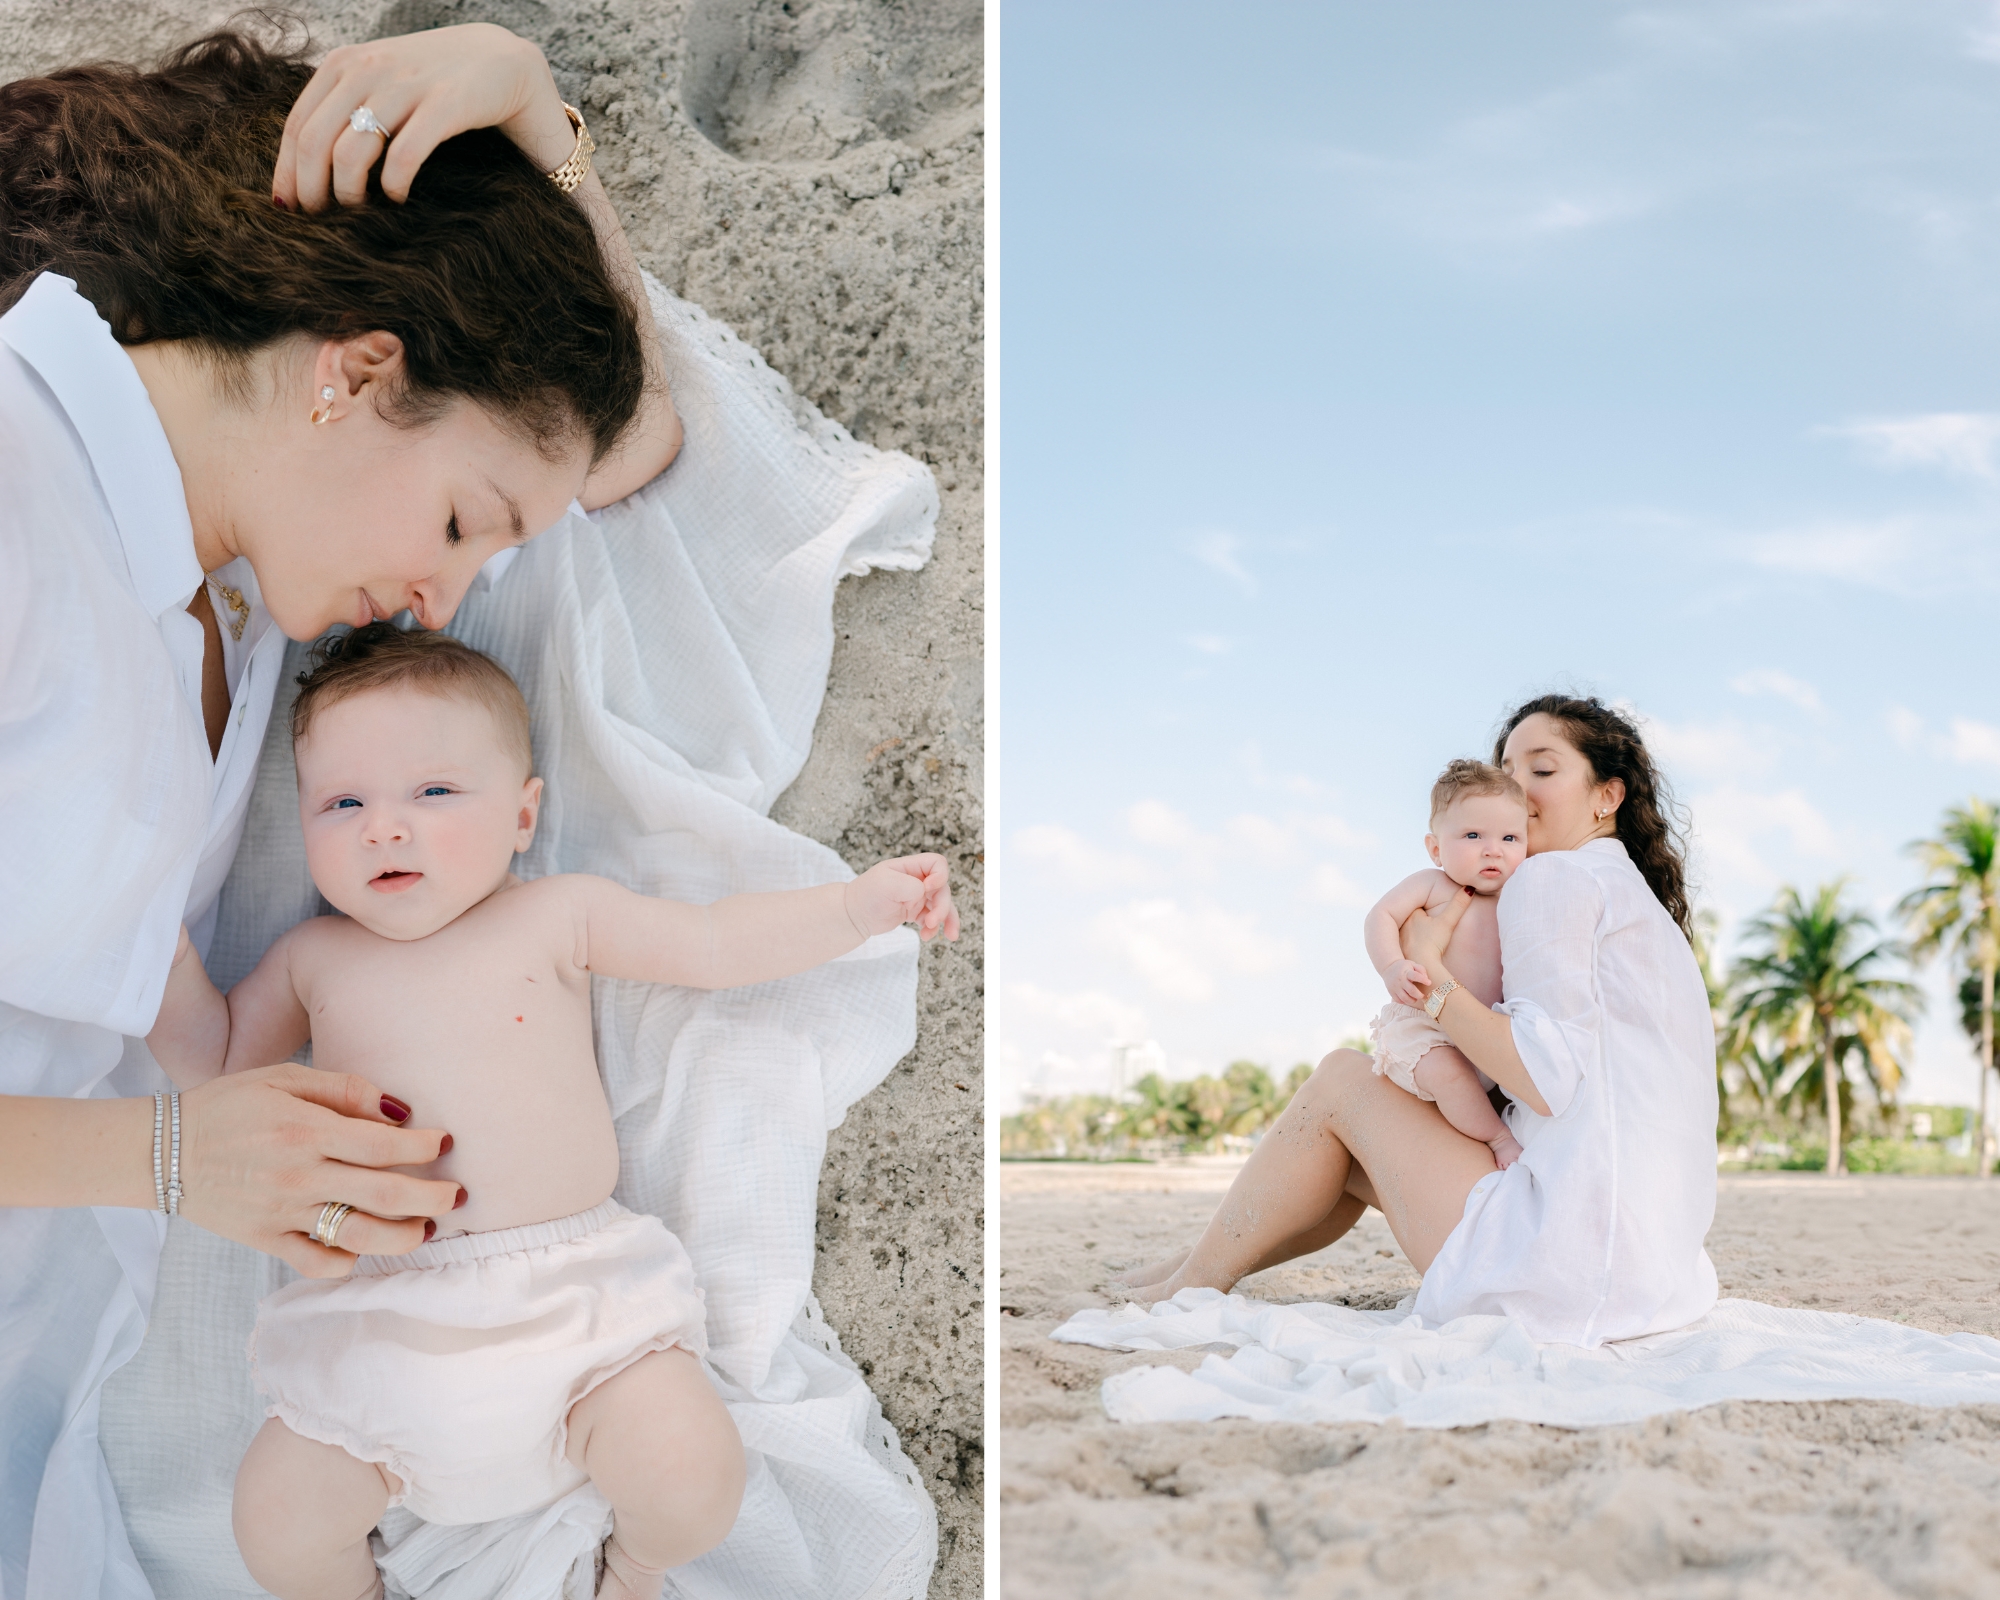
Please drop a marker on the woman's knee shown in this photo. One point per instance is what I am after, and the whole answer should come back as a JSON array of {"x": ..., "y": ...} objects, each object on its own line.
[{"x": 1337, "y": 1074}]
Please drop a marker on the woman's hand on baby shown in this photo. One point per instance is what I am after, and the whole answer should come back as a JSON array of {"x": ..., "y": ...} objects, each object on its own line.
[
  {"x": 908, "y": 889},
  {"x": 1425, "y": 933},
  {"x": 423, "y": 88},
  {"x": 1408, "y": 982},
  {"x": 263, "y": 1151}
]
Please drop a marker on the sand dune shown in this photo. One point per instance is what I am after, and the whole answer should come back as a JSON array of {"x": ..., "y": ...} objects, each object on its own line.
[{"x": 1854, "y": 1498}]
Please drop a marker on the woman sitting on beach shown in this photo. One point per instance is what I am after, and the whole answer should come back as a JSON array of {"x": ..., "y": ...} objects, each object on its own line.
[{"x": 1604, "y": 1044}]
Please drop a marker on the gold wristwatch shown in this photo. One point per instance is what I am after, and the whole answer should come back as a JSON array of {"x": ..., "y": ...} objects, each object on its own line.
[
  {"x": 573, "y": 171},
  {"x": 1438, "y": 997}
]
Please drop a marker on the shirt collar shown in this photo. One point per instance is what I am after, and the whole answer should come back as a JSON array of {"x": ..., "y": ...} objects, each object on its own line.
[{"x": 59, "y": 333}]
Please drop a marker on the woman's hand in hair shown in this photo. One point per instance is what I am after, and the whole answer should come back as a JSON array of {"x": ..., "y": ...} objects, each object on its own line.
[{"x": 423, "y": 88}]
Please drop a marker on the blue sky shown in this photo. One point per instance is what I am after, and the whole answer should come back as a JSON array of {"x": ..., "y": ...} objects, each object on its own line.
[{"x": 1365, "y": 369}]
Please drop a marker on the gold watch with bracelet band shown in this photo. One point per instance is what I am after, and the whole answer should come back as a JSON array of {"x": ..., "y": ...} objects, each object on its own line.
[
  {"x": 1439, "y": 995},
  {"x": 573, "y": 171}
]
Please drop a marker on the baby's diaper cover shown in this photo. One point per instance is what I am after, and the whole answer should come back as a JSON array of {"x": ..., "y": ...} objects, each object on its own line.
[
  {"x": 456, "y": 1365},
  {"x": 1403, "y": 1035}
]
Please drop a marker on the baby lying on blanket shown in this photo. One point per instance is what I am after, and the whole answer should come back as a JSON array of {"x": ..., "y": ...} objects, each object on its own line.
[
  {"x": 1479, "y": 835},
  {"x": 546, "y": 1335}
]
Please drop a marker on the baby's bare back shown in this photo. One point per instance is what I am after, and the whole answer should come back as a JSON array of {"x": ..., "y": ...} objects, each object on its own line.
[
  {"x": 1473, "y": 955},
  {"x": 483, "y": 1029}
]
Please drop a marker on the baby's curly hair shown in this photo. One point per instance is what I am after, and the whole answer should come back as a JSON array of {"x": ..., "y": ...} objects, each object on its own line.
[
  {"x": 382, "y": 655},
  {"x": 1462, "y": 779}
]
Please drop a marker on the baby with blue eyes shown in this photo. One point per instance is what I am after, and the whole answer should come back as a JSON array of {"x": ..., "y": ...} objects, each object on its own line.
[
  {"x": 1478, "y": 836},
  {"x": 540, "y": 1335}
]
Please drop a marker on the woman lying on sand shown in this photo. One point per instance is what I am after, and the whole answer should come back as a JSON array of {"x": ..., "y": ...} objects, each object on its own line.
[{"x": 1604, "y": 1045}]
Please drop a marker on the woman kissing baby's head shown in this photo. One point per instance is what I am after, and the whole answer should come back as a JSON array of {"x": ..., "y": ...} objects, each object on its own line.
[
  {"x": 1479, "y": 825},
  {"x": 416, "y": 788}
]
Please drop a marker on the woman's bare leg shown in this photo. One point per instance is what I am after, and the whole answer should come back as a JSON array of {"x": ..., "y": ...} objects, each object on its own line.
[
  {"x": 1347, "y": 1137},
  {"x": 1346, "y": 1212}
]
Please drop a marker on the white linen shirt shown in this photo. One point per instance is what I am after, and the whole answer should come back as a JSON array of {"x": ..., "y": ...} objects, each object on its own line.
[
  {"x": 115, "y": 826},
  {"x": 1596, "y": 1232}
]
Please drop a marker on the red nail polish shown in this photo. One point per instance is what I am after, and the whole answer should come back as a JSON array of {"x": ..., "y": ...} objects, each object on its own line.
[
  {"x": 278, "y": 200},
  {"x": 394, "y": 1109},
  {"x": 430, "y": 1228},
  {"x": 444, "y": 1145},
  {"x": 461, "y": 1198}
]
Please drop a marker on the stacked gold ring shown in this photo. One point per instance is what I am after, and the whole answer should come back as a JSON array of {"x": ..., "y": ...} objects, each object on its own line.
[{"x": 331, "y": 1216}]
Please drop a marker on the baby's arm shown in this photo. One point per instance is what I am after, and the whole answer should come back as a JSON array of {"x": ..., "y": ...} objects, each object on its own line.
[
  {"x": 749, "y": 938},
  {"x": 200, "y": 1035},
  {"x": 1382, "y": 932}
]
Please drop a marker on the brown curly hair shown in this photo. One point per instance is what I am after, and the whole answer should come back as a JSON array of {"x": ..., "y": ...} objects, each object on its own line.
[
  {"x": 1649, "y": 824},
  {"x": 152, "y": 190}
]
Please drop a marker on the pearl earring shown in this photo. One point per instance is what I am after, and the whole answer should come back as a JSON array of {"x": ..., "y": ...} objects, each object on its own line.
[{"x": 325, "y": 411}]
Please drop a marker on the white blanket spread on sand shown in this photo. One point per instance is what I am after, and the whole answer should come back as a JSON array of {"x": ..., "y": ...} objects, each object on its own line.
[
  {"x": 1312, "y": 1362},
  {"x": 674, "y": 650}
]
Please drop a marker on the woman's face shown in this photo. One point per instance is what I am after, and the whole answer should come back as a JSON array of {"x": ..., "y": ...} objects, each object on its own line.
[
  {"x": 360, "y": 518},
  {"x": 1564, "y": 796}
]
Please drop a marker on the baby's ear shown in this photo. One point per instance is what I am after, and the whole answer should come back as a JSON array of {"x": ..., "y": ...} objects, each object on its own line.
[
  {"x": 1431, "y": 844},
  {"x": 531, "y": 810}
]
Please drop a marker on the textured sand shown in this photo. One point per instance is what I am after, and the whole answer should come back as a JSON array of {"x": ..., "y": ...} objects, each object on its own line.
[
  {"x": 1853, "y": 1498},
  {"x": 810, "y": 171}
]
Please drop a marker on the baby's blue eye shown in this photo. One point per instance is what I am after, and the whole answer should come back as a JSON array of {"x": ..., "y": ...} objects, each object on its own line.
[
  {"x": 437, "y": 788},
  {"x": 343, "y": 804}
]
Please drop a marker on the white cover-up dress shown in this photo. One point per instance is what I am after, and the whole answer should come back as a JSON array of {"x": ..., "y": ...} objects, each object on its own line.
[
  {"x": 1596, "y": 1232},
  {"x": 118, "y": 826}
]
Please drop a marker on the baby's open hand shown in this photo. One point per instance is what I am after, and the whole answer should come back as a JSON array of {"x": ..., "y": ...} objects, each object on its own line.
[
  {"x": 1408, "y": 982},
  {"x": 908, "y": 889}
]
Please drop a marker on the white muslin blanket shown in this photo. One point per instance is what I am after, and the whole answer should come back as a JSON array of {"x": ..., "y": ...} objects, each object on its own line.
[
  {"x": 1320, "y": 1363},
  {"x": 674, "y": 651}
]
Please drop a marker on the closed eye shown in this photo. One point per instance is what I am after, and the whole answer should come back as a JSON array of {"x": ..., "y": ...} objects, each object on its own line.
[{"x": 451, "y": 533}]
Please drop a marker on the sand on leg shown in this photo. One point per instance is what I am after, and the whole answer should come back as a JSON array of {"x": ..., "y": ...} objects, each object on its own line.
[
  {"x": 661, "y": 1447},
  {"x": 302, "y": 1514},
  {"x": 1452, "y": 1081},
  {"x": 1347, "y": 1135}
]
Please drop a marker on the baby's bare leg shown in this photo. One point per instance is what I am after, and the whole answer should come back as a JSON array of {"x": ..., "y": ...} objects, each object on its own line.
[
  {"x": 1448, "y": 1078},
  {"x": 302, "y": 1515},
  {"x": 660, "y": 1446}
]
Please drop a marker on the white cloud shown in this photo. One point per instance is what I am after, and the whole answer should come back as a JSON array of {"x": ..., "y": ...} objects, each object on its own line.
[
  {"x": 1155, "y": 823},
  {"x": 1983, "y": 43},
  {"x": 1218, "y": 550},
  {"x": 1783, "y": 685},
  {"x": 1062, "y": 850},
  {"x": 1878, "y": 554},
  {"x": 1738, "y": 833},
  {"x": 1101, "y": 1017},
  {"x": 1209, "y": 644},
  {"x": 1724, "y": 749},
  {"x": 1967, "y": 740},
  {"x": 1180, "y": 951},
  {"x": 1958, "y": 442},
  {"x": 1327, "y": 885},
  {"x": 1977, "y": 743}
]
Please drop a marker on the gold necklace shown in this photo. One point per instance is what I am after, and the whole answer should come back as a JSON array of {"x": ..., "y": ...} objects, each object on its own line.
[{"x": 239, "y": 608}]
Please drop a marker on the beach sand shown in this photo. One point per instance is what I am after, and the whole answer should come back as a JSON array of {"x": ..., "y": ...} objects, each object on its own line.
[
  {"x": 810, "y": 172},
  {"x": 1835, "y": 1499}
]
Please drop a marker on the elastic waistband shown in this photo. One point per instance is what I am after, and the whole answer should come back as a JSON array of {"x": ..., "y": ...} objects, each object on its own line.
[{"x": 494, "y": 1242}]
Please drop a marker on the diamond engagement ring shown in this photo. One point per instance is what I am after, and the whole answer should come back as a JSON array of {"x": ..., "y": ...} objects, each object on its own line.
[{"x": 363, "y": 121}]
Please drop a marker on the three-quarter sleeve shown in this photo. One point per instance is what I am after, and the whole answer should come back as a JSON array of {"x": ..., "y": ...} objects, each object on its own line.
[{"x": 1549, "y": 916}]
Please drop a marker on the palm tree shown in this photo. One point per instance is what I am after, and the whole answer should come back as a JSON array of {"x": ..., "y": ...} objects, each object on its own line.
[
  {"x": 1815, "y": 996},
  {"x": 1960, "y": 907}
]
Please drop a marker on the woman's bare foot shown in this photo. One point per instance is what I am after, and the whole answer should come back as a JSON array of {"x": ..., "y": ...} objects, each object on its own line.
[
  {"x": 1158, "y": 1272},
  {"x": 1506, "y": 1150}
]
